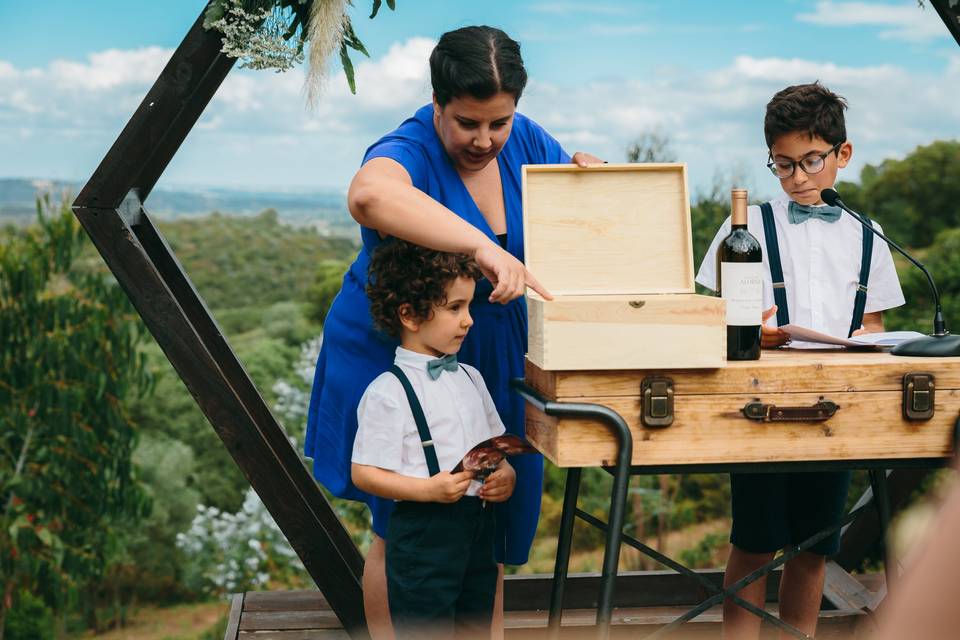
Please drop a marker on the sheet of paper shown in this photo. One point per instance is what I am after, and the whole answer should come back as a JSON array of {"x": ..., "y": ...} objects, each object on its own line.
[{"x": 885, "y": 339}]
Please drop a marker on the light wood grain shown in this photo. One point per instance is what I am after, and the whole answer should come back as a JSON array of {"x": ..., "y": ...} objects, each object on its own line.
[
  {"x": 709, "y": 429},
  {"x": 626, "y": 331},
  {"x": 777, "y": 371},
  {"x": 614, "y": 228}
]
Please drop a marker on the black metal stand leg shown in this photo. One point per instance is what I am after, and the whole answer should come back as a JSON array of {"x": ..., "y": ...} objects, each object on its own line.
[
  {"x": 564, "y": 540},
  {"x": 618, "y": 507},
  {"x": 881, "y": 497}
]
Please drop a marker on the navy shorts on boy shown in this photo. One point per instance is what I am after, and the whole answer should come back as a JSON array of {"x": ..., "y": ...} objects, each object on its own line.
[
  {"x": 821, "y": 268},
  {"x": 441, "y": 572}
]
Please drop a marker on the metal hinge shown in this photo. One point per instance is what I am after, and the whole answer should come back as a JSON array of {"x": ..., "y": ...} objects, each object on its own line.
[
  {"x": 656, "y": 399},
  {"x": 918, "y": 396}
]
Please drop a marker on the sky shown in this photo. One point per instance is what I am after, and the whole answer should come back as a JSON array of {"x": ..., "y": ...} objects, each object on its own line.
[{"x": 601, "y": 72}]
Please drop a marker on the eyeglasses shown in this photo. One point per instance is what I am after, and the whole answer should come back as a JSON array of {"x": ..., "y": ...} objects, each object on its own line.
[{"x": 810, "y": 164}]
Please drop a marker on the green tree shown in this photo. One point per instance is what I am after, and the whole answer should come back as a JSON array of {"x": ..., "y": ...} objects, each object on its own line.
[
  {"x": 69, "y": 359},
  {"x": 914, "y": 199}
]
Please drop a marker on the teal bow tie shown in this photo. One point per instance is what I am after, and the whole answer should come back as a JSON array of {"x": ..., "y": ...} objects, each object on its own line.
[
  {"x": 438, "y": 365},
  {"x": 797, "y": 213}
]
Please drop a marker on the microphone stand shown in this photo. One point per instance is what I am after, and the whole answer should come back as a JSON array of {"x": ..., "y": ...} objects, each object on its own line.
[{"x": 938, "y": 344}]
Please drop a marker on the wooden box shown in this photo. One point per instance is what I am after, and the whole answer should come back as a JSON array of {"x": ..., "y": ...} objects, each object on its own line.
[
  {"x": 709, "y": 426},
  {"x": 613, "y": 245}
]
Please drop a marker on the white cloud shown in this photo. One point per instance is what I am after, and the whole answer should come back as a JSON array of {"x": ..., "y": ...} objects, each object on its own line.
[
  {"x": 905, "y": 21},
  {"x": 110, "y": 68},
  {"x": 256, "y": 132}
]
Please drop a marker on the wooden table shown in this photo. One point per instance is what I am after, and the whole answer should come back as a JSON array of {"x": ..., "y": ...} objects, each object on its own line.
[{"x": 790, "y": 410}]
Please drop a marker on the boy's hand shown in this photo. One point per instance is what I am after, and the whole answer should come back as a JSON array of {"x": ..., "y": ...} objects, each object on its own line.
[
  {"x": 448, "y": 487},
  {"x": 771, "y": 337},
  {"x": 499, "y": 485}
]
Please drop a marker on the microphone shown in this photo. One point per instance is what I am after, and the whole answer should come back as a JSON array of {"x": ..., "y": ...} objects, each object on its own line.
[{"x": 938, "y": 344}]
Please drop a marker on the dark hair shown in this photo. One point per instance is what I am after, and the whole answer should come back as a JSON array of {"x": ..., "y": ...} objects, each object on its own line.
[
  {"x": 478, "y": 62},
  {"x": 806, "y": 108},
  {"x": 404, "y": 273}
]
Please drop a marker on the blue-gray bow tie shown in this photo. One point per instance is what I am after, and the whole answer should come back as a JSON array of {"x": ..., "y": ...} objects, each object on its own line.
[
  {"x": 797, "y": 213},
  {"x": 438, "y": 365}
]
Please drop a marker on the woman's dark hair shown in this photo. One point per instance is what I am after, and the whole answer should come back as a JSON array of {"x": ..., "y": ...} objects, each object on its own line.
[
  {"x": 478, "y": 62},
  {"x": 806, "y": 108},
  {"x": 404, "y": 273}
]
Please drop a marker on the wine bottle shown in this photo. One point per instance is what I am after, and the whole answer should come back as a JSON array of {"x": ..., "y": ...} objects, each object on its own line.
[{"x": 740, "y": 283}]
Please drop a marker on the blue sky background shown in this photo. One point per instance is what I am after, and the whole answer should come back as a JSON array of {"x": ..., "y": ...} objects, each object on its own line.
[{"x": 602, "y": 73}]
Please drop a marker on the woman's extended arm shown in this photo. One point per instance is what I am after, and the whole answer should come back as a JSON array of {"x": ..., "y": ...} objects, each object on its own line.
[{"x": 382, "y": 197}]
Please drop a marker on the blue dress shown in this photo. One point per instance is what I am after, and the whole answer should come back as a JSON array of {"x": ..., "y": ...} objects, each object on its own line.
[{"x": 353, "y": 353}]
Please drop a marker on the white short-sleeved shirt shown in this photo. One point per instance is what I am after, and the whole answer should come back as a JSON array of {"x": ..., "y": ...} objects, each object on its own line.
[
  {"x": 821, "y": 268},
  {"x": 457, "y": 406}
]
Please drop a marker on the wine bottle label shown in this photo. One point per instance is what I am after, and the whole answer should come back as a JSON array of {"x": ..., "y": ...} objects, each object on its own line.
[{"x": 742, "y": 288}]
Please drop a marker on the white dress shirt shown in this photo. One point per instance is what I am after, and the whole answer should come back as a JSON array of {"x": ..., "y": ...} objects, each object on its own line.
[
  {"x": 457, "y": 406},
  {"x": 821, "y": 268}
]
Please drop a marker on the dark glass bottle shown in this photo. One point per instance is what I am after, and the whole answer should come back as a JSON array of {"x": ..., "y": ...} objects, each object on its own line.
[{"x": 740, "y": 283}]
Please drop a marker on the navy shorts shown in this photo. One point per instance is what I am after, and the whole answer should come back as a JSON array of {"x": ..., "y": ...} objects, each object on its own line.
[
  {"x": 775, "y": 510},
  {"x": 441, "y": 575}
]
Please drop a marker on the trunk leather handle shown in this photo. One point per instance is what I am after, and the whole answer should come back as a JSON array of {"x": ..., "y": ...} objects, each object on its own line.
[{"x": 820, "y": 412}]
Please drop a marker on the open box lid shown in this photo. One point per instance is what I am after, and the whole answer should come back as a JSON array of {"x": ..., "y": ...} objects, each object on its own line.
[{"x": 608, "y": 229}]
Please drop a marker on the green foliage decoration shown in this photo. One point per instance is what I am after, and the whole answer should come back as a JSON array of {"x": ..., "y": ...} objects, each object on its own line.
[
  {"x": 69, "y": 359},
  {"x": 271, "y": 34}
]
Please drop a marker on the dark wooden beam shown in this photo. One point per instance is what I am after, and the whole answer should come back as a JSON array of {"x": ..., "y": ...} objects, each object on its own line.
[
  {"x": 949, "y": 11},
  {"x": 110, "y": 209},
  {"x": 162, "y": 121}
]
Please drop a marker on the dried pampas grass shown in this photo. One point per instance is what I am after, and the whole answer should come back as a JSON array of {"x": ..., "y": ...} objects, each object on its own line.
[{"x": 327, "y": 21}]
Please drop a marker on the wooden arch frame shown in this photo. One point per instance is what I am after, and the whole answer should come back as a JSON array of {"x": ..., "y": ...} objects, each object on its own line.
[{"x": 111, "y": 209}]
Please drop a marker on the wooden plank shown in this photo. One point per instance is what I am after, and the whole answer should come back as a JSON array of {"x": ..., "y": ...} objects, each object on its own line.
[
  {"x": 286, "y": 620},
  {"x": 640, "y": 622},
  {"x": 634, "y": 589},
  {"x": 711, "y": 430},
  {"x": 293, "y": 600},
  {"x": 621, "y": 228},
  {"x": 230, "y": 401},
  {"x": 627, "y": 332},
  {"x": 233, "y": 621},
  {"x": 777, "y": 371},
  {"x": 844, "y": 591},
  {"x": 296, "y": 634}
]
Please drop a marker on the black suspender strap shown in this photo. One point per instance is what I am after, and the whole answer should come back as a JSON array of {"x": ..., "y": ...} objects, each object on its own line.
[
  {"x": 433, "y": 466},
  {"x": 776, "y": 268},
  {"x": 860, "y": 302}
]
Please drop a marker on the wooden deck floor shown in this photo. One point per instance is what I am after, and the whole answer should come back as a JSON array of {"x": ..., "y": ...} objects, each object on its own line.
[{"x": 305, "y": 615}]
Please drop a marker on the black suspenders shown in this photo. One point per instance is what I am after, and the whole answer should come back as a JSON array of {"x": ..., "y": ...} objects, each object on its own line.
[
  {"x": 861, "y": 300},
  {"x": 433, "y": 466},
  {"x": 776, "y": 271}
]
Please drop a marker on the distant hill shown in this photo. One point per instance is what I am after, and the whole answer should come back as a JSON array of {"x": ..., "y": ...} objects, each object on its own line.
[{"x": 324, "y": 210}]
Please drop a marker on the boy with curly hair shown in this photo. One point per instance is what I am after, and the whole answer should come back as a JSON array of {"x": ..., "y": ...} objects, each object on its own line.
[{"x": 415, "y": 423}]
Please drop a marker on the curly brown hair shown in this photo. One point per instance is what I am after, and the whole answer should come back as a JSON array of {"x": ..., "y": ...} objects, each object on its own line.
[{"x": 404, "y": 273}]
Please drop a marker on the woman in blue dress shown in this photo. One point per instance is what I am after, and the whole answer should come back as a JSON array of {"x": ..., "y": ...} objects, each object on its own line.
[{"x": 447, "y": 178}]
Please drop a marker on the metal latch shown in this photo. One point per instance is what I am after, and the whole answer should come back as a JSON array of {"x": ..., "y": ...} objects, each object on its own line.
[
  {"x": 656, "y": 395},
  {"x": 918, "y": 396}
]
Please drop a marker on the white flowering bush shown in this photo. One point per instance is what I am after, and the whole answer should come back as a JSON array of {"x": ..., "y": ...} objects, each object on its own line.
[
  {"x": 232, "y": 552},
  {"x": 293, "y": 401}
]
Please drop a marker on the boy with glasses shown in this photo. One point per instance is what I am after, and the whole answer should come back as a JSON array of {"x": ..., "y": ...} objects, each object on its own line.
[{"x": 823, "y": 270}]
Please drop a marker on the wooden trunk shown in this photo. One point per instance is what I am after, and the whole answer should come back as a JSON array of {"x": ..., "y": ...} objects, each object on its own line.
[
  {"x": 612, "y": 244},
  {"x": 709, "y": 426}
]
